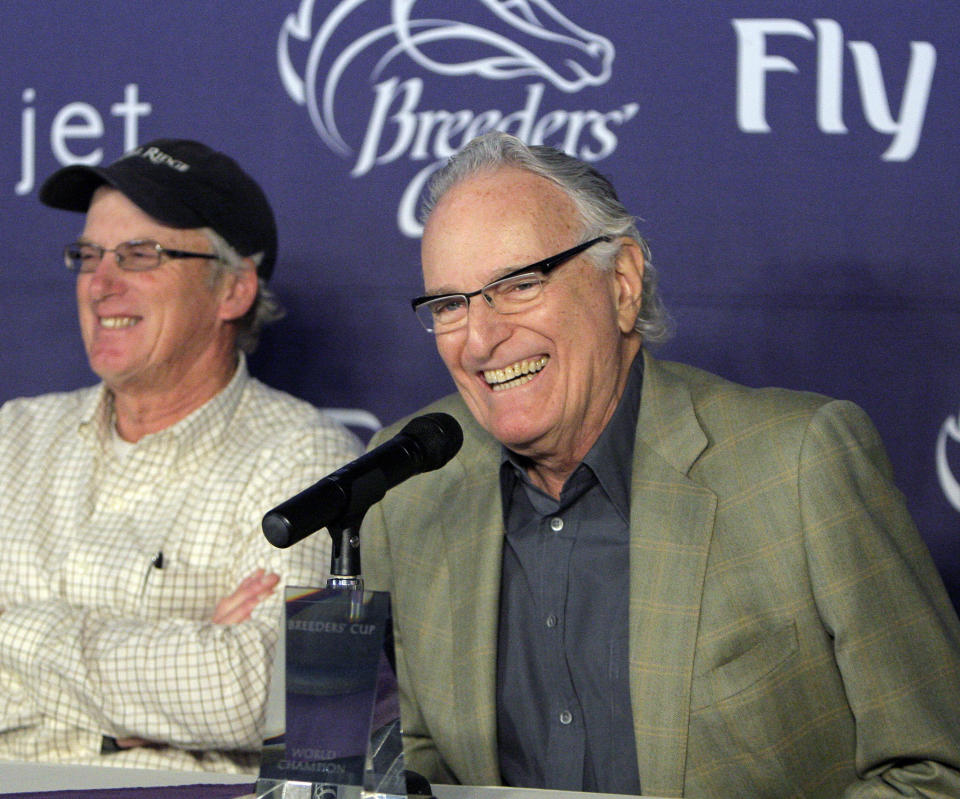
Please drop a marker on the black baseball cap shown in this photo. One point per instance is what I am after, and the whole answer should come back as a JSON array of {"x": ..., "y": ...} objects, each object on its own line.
[{"x": 183, "y": 184}]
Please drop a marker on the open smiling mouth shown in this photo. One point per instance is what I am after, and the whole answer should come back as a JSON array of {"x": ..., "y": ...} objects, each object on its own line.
[
  {"x": 116, "y": 322},
  {"x": 515, "y": 375}
]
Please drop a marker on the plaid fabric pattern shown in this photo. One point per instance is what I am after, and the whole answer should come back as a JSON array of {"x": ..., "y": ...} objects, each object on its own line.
[
  {"x": 95, "y": 638},
  {"x": 789, "y": 633}
]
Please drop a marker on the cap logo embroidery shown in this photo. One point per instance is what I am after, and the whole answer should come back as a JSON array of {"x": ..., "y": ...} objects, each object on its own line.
[{"x": 157, "y": 156}]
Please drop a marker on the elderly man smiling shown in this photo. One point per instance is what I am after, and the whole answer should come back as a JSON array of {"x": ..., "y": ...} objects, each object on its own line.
[
  {"x": 637, "y": 576},
  {"x": 138, "y": 616}
]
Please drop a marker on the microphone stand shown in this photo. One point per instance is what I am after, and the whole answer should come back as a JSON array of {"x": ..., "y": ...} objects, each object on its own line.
[{"x": 345, "y": 574}]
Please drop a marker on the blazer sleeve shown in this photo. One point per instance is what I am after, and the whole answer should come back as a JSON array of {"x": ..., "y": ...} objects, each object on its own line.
[{"x": 895, "y": 633}]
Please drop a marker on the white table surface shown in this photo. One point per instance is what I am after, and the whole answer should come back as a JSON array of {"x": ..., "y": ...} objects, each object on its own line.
[{"x": 17, "y": 777}]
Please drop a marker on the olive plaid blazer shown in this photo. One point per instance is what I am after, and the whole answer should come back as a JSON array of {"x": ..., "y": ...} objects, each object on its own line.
[{"x": 789, "y": 633}]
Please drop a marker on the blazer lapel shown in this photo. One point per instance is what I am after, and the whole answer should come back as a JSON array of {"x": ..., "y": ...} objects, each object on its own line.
[{"x": 671, "y": 524}]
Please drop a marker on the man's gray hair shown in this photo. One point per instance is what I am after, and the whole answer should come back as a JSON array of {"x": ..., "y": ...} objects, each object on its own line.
[
  {"x": 266, "y": 307},
  {"x": 592, "y": 194}
]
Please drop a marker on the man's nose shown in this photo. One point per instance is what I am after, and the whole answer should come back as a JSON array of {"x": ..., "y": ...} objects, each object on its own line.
[
  {"x": 104, "y": 277},
  {"x": 486, "y": 328}
]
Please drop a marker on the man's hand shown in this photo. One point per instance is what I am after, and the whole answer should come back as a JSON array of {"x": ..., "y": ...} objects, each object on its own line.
[
  {"x": 130, "y": 743},
  {"x": 240, "y": 604}
]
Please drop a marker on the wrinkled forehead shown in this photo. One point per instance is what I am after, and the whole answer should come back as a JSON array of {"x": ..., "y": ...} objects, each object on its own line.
[{"x": 492, "y": 223}]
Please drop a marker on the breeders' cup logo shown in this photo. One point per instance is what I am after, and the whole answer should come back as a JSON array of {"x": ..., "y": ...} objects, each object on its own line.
[
  {"x": 370, "y": 57},
  {"x": 950, "y": 431}
]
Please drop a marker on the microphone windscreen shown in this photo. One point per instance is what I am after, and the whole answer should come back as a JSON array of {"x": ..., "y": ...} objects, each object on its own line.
[{"x": 439, "y": 437}]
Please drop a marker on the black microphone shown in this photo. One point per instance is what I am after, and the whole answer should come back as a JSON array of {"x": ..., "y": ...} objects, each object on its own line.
[{"x": 424, "y": 444}]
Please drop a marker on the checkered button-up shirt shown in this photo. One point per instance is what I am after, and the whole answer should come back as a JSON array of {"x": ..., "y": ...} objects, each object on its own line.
[{"x": 100, "y": 635}]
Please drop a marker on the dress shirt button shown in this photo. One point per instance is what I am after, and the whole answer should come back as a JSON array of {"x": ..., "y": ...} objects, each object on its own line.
[
  {"x": 566, "y": 717},
  {"x": 556, "y": 524},
  {"x": 551, "y": 620}
]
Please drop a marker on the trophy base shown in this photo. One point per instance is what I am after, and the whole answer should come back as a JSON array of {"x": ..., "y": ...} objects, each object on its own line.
[
  {"x": 342, "y": 738},
  {"x": 291, "y": 789}
]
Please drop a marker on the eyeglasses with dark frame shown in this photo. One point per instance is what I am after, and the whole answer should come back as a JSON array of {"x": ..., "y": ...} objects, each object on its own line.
[
  {"x": 512, "y": 293},
  {"x": 140, "y": 255}
]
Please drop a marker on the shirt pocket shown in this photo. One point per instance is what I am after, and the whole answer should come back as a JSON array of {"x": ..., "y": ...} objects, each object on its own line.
[
  {"x": 103, "y": 574},
  {"x": 746, "y": 669}
]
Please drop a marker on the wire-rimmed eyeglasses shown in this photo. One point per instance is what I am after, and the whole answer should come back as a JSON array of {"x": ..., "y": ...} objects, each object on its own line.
[
  {"x": 133, "y": 256},
  {"x": 512, "y": 293}
]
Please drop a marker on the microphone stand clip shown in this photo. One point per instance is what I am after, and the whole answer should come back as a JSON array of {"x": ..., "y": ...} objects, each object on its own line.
[{"x": 345, "y": 555}]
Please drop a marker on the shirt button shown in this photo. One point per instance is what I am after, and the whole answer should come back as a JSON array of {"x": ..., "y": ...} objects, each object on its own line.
[
  {"x": 556, "y": 524},
  {"x": 551, "y": 620},
  {"x": 566, "y": 717}
]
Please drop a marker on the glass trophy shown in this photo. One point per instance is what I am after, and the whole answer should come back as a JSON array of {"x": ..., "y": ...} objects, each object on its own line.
[{"x": 342, "y": 733}]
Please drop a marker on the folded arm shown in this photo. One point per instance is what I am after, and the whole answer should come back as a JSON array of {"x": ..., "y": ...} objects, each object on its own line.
[{"x": 191, "y": 684}]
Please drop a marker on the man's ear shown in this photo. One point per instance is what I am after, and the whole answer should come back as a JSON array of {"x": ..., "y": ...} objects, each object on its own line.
[
  {"x": 629, "y": 284},
  {"x": 239, "y": 290}
]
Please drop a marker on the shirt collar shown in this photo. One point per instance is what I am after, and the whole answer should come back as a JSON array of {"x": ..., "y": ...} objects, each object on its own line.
[{"x": 611, "y": 456}]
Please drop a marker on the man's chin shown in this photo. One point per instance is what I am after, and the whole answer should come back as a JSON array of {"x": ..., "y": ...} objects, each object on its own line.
[
  {"x": 518, "y": 438},
  {"x": 114, "y": 372},
  {"x": 513, "y": 419}
]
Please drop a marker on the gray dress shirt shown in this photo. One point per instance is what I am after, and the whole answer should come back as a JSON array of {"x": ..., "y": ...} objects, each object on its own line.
[{"x": 564, "y": 718}]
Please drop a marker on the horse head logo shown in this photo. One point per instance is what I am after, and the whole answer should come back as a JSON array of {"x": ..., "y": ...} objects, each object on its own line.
[
  {"x": 950, "y": 485},
  {"x": 487, "y": 39}
]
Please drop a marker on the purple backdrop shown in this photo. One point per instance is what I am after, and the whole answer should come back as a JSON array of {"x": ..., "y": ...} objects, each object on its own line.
[{"x": 794, "y": 165}]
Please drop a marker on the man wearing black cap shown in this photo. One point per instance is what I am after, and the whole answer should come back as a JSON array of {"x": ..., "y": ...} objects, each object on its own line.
[{"x": 138, "y": 616}]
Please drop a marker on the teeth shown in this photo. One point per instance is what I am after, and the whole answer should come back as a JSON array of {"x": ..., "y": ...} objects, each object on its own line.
[
  {"x": 518, "y": 382},
  {"x": 114, "y": 322},
  {"x": 514, "y": 375}
]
